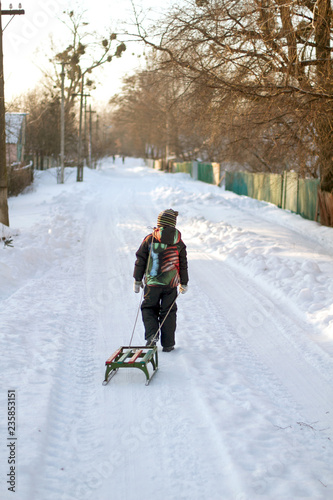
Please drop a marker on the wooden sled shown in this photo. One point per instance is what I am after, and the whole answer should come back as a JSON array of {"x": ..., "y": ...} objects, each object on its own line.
[{"x": 132, "y": 357}]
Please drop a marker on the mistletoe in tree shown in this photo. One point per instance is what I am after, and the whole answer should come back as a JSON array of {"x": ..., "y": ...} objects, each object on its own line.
[{"x": 86, "y": 52}]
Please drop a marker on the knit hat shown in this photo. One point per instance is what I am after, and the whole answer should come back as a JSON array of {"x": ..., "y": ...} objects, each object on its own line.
[{"x": 167, "y": 218}]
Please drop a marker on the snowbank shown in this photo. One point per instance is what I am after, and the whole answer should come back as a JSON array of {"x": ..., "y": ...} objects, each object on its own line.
[{"x": 241, "y": 410}]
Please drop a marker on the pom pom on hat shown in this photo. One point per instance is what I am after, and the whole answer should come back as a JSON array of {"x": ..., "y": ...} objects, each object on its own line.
[{"x": 167, "y": 218}]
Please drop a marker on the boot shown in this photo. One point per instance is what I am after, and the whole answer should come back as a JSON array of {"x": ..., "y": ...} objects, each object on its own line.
[{"x": 168, "y": 349}]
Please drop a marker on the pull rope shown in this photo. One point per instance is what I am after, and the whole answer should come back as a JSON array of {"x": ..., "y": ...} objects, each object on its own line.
[{"x": 136, "y": 318}]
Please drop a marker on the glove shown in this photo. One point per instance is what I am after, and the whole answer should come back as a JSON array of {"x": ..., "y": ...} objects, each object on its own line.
[
  {"x": 137, "y": 285},
  {"x": 183, "y": 288}
]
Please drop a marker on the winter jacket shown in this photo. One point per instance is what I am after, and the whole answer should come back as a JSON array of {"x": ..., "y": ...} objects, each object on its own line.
[{"x": 162, "y": 258}]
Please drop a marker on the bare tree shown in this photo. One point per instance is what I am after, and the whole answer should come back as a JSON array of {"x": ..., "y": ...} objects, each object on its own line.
[
  {"x": 270, "y": 58},
  {"x": 140, "y": 116},
  {"x": 86, "y": 51}
]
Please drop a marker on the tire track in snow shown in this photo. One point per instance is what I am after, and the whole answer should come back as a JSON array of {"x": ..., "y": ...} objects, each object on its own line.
[
  {"x": 249, "y": 378},
  {"x": 225, "y": 404},
  {"x": 113, "y": 239},
  {"x": 73, "y": 431},
  {"x": 294, "y": 363},
  {"x": 156, "y": 422}
]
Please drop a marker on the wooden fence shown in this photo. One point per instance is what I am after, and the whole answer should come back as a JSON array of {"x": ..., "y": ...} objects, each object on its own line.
[
  {"x": 325, "y": 204},
  {"x": 19, "y": 178}
]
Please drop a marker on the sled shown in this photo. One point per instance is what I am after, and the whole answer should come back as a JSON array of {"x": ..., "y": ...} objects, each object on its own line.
[{"x": 132, "y": 357}]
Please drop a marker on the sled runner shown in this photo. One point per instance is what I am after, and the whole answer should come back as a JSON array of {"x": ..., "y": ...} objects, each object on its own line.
[{"x": 132, "y": 357}]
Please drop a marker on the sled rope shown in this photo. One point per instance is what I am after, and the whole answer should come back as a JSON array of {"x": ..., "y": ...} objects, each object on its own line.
[{"x": 136, "y": 319}]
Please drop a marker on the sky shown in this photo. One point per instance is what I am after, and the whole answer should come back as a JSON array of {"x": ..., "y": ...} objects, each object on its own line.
[{"x": 26, "y": 40}]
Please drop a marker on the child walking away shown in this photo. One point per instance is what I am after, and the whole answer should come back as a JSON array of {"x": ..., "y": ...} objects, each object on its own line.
[{"x": 162, "y": 260}]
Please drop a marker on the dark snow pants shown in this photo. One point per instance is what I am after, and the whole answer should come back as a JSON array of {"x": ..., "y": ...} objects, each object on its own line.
[{"x": 155, "y": 306}]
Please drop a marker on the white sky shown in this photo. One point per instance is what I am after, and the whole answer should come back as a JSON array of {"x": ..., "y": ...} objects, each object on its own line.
[{"x": 26, "y": 40}]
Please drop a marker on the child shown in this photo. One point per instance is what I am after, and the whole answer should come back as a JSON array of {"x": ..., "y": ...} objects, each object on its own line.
[{"x": 162, "y": 259}]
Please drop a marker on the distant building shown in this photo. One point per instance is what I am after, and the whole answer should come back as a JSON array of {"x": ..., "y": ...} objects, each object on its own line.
[{"x": 15, "y": 137}]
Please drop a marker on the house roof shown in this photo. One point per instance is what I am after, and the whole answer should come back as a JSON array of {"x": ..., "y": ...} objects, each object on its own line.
[{"x": 14, "y": 122}]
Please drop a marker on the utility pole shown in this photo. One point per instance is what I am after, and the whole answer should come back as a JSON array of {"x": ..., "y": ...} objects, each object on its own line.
[
  {"x": 90, "y": 137},
  {"x": 4, "y": 217},
  {"x": 62, "y": 125},
  {"x": 97, "y": 137},
  {"x": 85, "y": 128},
  {"x": 79, "y": 176}
]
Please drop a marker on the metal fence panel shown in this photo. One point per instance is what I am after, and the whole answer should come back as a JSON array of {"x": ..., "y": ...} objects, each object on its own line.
[
  {"x": 290, "y": 191},
  {"x": 184, "y": 167},
  {"x": 307, "y": 198},
  {"x": 217, "y": 174},
  {"x": 194, "y": 173},
  {"x": 267, "y": 187},
  {"x": 205, "y": 173},
  {"x": 237, "y": 182},
  {"x": 275, "y": 189}
]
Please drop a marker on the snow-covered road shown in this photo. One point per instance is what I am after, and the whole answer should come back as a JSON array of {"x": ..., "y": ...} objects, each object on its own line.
[{"x": 241, "y": 410}]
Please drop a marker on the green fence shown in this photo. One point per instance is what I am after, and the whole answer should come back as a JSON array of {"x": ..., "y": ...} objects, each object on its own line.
[
  {"x": 262, "y": 186},
  {"x": 185, "y": 167},
  {"x": 307, "y": 198},
  {"x": 238, "y": 183},
  {"x": 286, "y": 191},
  {"x": 267, "y": 187},
  {"x": 205, "y": 173},
  {"x": 290, "y": 191}
]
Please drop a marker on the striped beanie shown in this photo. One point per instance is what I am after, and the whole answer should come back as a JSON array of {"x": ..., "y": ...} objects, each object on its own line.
[{"x": 167, "y": 218}]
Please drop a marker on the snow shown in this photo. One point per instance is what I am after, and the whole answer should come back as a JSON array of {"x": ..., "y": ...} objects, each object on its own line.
[{"x": 241, "y": 410}]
